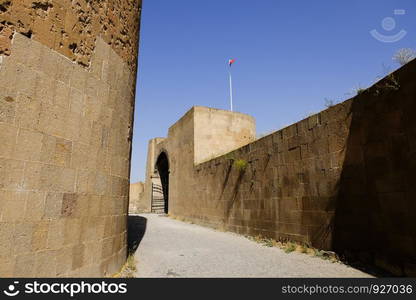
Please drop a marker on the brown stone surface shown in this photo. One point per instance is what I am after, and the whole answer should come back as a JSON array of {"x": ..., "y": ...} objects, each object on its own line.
[
  {"x": 72, "y": 27},
  {"x": 64, "y": 159},
  {"x": 343, "y": 179},
  {"x": 137, "y": 203}
]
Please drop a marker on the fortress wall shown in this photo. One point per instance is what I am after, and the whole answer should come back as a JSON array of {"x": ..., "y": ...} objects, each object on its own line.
[
  {"x": 343, "y": 179},
  {"x": 136, "y": 194},
  {"x": 216, "y": 132},
  {"x": 67, "y": 84},
  {"x": 202, "y": 133},
  {"x": 72, "y": 27}
]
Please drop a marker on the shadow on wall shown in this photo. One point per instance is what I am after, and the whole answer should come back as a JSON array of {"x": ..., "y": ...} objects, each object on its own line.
[
  {"x": 375, "y": 207},
  {"x": 136, "y": 231}
]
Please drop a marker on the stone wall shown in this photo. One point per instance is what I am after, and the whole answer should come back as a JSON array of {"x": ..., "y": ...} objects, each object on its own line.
[
  {"x": 71, "y": 27},
  {"x": 66, "y": 107},
  {"x": 202, "y": 133},
  {"x": 342, "y": 179}
]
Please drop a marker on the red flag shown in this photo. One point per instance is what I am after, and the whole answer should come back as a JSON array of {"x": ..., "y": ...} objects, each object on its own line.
[{"x": 231, "y": 61}]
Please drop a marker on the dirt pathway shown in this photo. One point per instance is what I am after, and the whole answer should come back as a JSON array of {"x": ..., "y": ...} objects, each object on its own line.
[{"x": 171, "y": 248}]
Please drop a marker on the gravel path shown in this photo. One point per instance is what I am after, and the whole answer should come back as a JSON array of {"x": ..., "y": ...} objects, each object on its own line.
[{"x": 171, "y": 248}]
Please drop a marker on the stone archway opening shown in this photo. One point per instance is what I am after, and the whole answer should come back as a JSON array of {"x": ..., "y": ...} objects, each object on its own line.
[{"x": 162, "y": 168}]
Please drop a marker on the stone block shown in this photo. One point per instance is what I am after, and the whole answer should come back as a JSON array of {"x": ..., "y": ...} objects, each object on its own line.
[
  {"x": 82, "y": 181},
  {"x": 40, "y": 235},
  {"x": 104, "y": 157},
  {"x": 109, "y": 226},
  {"x": 6, "y": 237},
  {"x": 77, "y": 256},
  {"x": 28, "y": 146},
  {"x": 94, "y": 205},
  {"x": 77, "y": 101},
  {"x": 32, "y": 58},
  {"x": 7, "y": 267},
  {"x": 64, "y": 65},
  {"x": 64, "y": 261},
  {"x": 106, "y": 206},
  {"x": 25, "y": 266},
  {"x": 53, "y": 205},
  {"x": 337, "y": 142},
  {"x": 7, "y": 107},
  {"x": 67, "y": 182},
  {"x": 25, "y": 80},
  {"x": 107, "y": 248},
  {"x": 32, "y": 172},
  {"x": 13, "y": 205},
  {"x": 8, "y": 80},
  {"x": 91, "y": 88},
  {"x": 45, "y": 89},
  {"x": 23, "y": 238},
  {"x": 96, "y": 66},
  {"x": 72, "y": 234},
  {"x": 93, "y": 112},
  {"x": 45, "y": 263},
  {"x": 81, "y": 209},
  {"x": 48, "y": 149},
  {"x": 56, "y": 235},
  {"x": 11, "y": 174},
  {"x": 8, "y": 144},
  {"x": 62, "y": 98},
  {"x": 294, "y": 154},
  {"x": 35, "y": 206},
  {"x": 63, "y": 152},
  {"x": 78, "y": 78},
  {"x": 80, "y": 156},
  {"x": 69, "y": 204},
  {"x": 85, "y": 131},
  {"x": 20, "y": 44},
  {"x": 49, "y": 178},
  {"x": 72, "y": 123},
  {"x": 27, "y": 111}
]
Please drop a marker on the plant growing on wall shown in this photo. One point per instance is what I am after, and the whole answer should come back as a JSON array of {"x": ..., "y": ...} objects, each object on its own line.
[
  {"x": 358, "y": 90},
  {"x": 229, "y": 156},
  {"x": 241, "y": 164},
  {"x": 404, "y": 56},
  {"x": 329, "y": 102},
  {"x": 390, "y": 84}
]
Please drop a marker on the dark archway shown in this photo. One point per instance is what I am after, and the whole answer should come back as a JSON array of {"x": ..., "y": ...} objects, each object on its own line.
[{"x": 162, "y": 166}]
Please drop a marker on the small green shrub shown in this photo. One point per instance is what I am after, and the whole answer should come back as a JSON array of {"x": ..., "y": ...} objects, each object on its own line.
[
  {"x": 229, "y": 156},
  {"x": 128, "y": 270},
  {"x": 360, "y": 91},
  {"x": 289, "y": 247},
  {"x": 240, "y": 164},
  {"x": 329, "y": 102}
]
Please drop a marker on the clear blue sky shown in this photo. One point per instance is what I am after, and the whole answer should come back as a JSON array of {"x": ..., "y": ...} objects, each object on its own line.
[{"x": 290, "y": 56}]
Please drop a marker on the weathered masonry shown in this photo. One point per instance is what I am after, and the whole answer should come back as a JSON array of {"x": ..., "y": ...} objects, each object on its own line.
[
  {"x": 67, "y": 87},
  {"x": 343, "y": 179}
]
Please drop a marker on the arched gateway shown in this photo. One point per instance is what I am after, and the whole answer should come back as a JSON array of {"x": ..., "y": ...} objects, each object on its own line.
[{"x": 160, "y": 192}]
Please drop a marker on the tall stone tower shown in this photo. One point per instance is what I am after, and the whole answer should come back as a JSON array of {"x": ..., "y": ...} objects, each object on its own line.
[{"x": 67, "y": 88}]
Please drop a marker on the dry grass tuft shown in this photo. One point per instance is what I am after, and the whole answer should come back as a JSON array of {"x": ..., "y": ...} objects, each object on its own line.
[
  {"x": 289, "y": 246},
  {"x": 128, "y": 270}
]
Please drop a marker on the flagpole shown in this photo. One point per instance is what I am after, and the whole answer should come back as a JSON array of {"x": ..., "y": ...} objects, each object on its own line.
[{"x": 231, "y": 90}]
